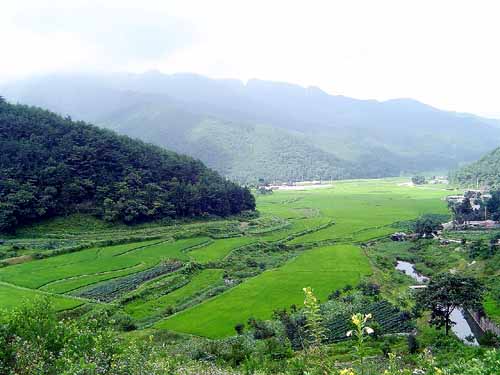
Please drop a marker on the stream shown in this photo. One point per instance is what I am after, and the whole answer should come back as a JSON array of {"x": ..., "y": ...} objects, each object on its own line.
[{"x": 465, "y": 327}]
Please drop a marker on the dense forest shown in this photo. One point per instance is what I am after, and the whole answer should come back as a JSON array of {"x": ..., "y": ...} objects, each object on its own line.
[
  {"x": 50, "y": 166},
  {"x": 484, "y": 172}
]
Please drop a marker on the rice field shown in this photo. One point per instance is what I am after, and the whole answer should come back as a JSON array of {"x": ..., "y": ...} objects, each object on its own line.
[
  {"x": 302, "y": 238},
  {"x": 324, "y": 269}
]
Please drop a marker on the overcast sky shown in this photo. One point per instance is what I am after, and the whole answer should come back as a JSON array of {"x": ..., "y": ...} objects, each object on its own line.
[{"x": 443, "y": 52}]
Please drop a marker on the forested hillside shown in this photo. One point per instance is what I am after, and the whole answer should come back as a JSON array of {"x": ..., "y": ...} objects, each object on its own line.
[
  {"x": 485, "y": 171},
  {"x": 267, "y": 130},
  {"x": 51, "y": 166}
]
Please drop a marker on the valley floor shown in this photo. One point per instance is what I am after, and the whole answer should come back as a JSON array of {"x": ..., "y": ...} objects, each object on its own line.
[{"x": 203, "y": 278}]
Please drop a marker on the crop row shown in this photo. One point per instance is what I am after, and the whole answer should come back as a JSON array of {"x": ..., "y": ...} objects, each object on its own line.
[
  {"x": 385, "y": 317},
  {"x": 110, "y": 290}
]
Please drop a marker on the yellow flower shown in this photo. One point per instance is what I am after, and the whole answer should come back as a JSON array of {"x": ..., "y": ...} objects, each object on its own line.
[
  {"x": 347, "y": 371},
  {"x": 356, "y": 319}
]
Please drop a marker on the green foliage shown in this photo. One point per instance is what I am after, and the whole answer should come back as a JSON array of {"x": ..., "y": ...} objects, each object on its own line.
[
  {"x": 34, "y": 341},
  {"x": 413, "y": 344},
  {"x": 418, "y": 180},
  {"x": 481, "y": 249},
  {"x": 489, "y": 339},
  {"x": 52, "y": 166},
  {"x": 360, "y": 333},
  {"x": 493, "y": 205},
  {"x": 314, "y": 325},
  {"x": 447, "y": 292},
  {"x": 428, "y": 224},
  {"x": 485, "y": 171}
]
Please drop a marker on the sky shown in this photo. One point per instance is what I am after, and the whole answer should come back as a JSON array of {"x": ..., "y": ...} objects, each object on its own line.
[{"x": 441, "y": 52}]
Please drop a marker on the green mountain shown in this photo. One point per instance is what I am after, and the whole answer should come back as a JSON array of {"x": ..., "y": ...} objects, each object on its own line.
[
  {"x": 242, "y": 151},
  {"x": 264, "y": 129},
  {"x": 484, "y": 172},
  {"x": 52, "y": 166}
]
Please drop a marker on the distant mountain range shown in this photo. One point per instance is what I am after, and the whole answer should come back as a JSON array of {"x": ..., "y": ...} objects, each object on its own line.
[{"x": 267, "y": 130}]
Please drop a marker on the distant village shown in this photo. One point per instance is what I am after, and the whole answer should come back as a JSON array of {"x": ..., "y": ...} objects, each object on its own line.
[{"x": 474, "y": 209}]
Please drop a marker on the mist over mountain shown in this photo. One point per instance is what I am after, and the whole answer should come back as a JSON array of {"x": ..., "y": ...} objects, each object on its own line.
[{"x": 269, "y": 130}]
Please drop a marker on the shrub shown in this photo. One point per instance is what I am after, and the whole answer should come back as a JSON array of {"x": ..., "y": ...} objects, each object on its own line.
[
  {"x": 489, "y": 339},
  {"x": 413, "y": 344},
  {"x": 239, "y": 328}
]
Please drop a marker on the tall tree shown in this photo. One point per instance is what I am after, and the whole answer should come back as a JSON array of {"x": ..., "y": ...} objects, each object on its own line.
[{"x": 447, "y": 292}]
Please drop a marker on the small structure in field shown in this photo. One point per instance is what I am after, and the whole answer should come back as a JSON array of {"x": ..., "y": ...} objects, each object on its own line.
[
  {"x": 483, "y": 224},
  {"x": 399, "y": 236}
]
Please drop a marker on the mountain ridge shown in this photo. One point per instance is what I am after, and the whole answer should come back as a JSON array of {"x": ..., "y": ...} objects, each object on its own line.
[{"x": 363, "y": 138}]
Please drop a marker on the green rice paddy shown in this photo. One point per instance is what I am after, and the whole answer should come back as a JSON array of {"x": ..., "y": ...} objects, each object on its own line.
[
  {"x": 328, "y": 223},
  {"x": 324, "y": 269}
]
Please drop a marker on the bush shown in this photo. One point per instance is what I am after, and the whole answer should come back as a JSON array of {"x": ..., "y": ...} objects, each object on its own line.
[
  {"x": 34, "y": 341},
  {"x": 124, "y": 322},
  {"x": 489, "y": 339},
  {"x": 239, "y": 328},
  {"x": 413, "y": 344},
  {"x": 369, "y": 289},
  {"x": 261, "y": 329}
]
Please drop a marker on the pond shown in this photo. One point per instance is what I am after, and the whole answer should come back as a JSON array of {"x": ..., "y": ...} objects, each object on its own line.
[{"x": 464, "y": 328}]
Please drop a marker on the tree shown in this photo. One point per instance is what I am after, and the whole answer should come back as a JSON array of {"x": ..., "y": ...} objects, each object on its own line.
[
  {"x": 493, "y": 205},
  {"x": 447, "y": 292},
  {"x": 418, "y": 180},
  {"x": 462, "y": 211},
  {"x": 428, "y": 224},
  {"x": 479, "y": 249}
]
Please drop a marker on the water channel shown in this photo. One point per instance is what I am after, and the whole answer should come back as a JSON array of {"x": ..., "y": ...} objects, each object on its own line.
[{"x": 464, "y": 328}]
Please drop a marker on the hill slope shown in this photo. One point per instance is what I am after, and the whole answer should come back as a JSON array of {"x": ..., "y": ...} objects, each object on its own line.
[
  {"x": 485, "y": 171},
  {"x": 222, "y": 121},
  {"x": 51, "y": 166}
]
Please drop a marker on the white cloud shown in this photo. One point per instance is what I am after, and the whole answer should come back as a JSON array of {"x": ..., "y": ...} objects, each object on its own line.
[{"x": 441, "y": 52}]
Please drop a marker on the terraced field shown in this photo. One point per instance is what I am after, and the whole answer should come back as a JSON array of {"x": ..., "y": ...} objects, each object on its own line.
[
  {"x": 325, "y": 269},
  {"x": 205, "y": 277}
]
